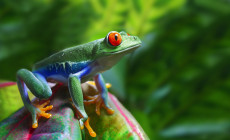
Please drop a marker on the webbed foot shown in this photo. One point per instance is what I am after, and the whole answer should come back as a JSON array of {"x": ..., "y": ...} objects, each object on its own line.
[
  {"x": 98, "y": 100},
  {"x": 40, "y": 111},
  {"x": 84, "y": 121},
  {"x": 87, "y": 125}
]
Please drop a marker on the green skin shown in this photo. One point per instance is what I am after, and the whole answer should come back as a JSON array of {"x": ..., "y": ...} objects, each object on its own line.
[{"x": 72, "y": 67}]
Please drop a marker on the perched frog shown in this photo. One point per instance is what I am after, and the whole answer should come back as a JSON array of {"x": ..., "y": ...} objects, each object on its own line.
[{"x": 72, "y": 67}]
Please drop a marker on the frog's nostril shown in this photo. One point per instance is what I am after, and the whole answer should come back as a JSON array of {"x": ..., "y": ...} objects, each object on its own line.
[{"x": 135, "y": 37}]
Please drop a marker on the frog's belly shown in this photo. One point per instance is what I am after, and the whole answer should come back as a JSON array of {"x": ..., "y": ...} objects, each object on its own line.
[
  {"x": 64, "y": 80},
  {"x": 57, "y": 78}
]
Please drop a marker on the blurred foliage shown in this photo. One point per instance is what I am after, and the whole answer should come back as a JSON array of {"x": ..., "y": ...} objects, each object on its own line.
[
  {"x": 10, "y": 99},
  {"x": 7, "y": 101},
  {"x": 177, "y": 85}
]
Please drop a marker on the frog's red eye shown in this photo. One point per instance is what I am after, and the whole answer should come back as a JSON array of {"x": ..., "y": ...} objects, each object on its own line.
[
  {"x": 128, "y": 34},
  {"x": 114, "y": 38}
]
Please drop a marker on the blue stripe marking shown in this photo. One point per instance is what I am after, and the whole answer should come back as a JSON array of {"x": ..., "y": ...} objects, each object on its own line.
[{"x": 64, "y": 69}]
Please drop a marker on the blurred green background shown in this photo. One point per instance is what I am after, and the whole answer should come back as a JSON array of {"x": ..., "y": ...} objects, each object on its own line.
[{"x": 177, "y": 85}]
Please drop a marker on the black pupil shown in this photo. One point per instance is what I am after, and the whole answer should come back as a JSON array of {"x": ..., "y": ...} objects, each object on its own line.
[{"x": 116, "y": 37}]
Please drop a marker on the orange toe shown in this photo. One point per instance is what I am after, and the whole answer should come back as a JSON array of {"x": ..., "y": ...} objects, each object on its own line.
[
  {"x": 110, "y": 111},
  {"x": 42, "y": 112},
  {"x": 35, "y": 125},
  {"x": 91, "y": 132}
]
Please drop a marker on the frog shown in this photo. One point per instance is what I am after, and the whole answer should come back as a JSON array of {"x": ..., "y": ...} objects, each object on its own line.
[{"x": 72, "y": 67}]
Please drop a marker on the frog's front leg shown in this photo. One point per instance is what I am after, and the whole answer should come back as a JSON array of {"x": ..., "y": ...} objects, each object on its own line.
[
  {"x": 74, "y": 84},
  {"x": 100, "y": 100},
  {"x": 37, "y": 84},
  {"x": 76, "y": 94}
]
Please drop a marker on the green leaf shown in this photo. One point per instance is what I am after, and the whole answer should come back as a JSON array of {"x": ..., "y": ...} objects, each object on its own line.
[
  {"x": 64, "y": 124},
  {"x": 9, "y": 99}
]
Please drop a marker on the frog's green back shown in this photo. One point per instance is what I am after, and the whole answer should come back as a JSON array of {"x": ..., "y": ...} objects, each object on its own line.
[
  {"x": 102, "y": 48},
  {"x": 84, "y": 52}
]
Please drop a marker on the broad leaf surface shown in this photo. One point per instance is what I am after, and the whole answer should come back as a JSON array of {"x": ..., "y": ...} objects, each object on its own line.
[{"x": 64, "y": 123}]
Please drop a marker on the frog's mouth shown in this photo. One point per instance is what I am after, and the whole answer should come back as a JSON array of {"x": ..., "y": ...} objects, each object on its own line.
[{"x": 127, "y": 50}]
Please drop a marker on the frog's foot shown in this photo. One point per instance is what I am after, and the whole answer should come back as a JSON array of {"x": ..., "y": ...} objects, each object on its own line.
[
  {"x": 84, "y": 122},
  {"x": 89, "y": 97},
  {"x": 98, "y": 100},
  {"x": 89, "y": 128},
  {"x": 40, "y": 111}
]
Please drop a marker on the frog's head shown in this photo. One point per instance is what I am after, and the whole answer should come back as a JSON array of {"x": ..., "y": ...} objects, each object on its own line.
[{"x": 114, "y": 46}]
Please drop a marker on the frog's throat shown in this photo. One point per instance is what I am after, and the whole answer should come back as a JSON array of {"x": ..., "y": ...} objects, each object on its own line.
[{"x": 108, "y": 61}]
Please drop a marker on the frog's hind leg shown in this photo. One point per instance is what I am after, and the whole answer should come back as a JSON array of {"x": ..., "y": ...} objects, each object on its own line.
[
  {"x": 100, "y": 100},
  {"x": 37, "y": 84}
]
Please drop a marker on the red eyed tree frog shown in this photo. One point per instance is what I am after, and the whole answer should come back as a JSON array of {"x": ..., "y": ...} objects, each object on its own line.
[{"x": 72, "y": 67}]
